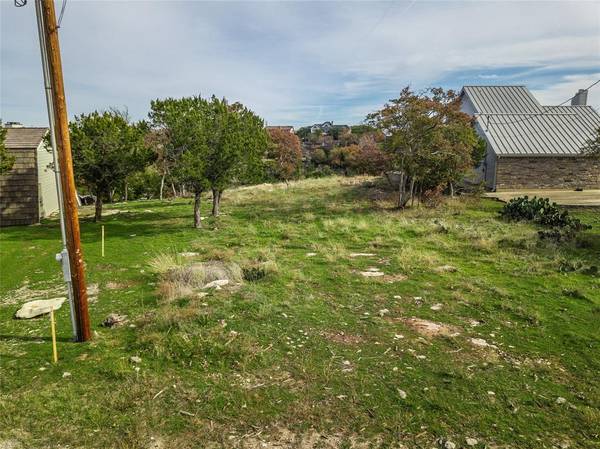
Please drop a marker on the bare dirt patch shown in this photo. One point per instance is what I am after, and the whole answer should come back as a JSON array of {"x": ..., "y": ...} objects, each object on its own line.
[
  {"x": 431, "y": 329},
  {"x": 311, "y": 439},
  {"x": 113, "y": 285},
  {"x": 29, "y": 293},
  {"x": 375, "y": 273},
  {"x": 10, "y": 444},
  {"x": 392, "y": 278},
  {"x": 343, "y": 338},
  {"x": 279, "y": 379}
]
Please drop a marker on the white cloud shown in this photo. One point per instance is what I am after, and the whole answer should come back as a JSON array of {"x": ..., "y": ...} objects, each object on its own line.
[
  {"x": 567, "y": 87},
  {"x": 295, "y": 62}
]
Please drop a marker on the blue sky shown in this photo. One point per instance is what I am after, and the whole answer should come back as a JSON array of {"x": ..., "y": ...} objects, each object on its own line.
[{"x": 297, "y": 62}]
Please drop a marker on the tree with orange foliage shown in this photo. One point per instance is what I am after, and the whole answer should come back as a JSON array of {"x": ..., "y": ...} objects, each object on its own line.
[
  {"x": 430, "y": 141},
  {"x": 286, "y": 153}
]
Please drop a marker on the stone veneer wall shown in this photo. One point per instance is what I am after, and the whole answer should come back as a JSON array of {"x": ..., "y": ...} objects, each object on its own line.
[{"x": 547, "y": 172}]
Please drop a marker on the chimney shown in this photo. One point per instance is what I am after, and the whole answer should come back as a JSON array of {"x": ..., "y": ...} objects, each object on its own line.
[{"x": 580, "y": 98}]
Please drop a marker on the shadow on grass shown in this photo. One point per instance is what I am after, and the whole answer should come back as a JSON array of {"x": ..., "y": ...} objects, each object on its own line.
[
  {"x": 4, "y": 337},
  {"x": 134, "y": 219},
  {"x": 123, "y": 227}
]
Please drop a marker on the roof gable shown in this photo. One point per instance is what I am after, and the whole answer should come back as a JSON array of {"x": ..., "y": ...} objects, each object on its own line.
[
  {"x": 24, "y": 137},
  {"x": 502, "y": 99}
]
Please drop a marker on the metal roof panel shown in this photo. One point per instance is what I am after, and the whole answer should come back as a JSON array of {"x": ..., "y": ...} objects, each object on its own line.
[{"x": 516, "y": 124}]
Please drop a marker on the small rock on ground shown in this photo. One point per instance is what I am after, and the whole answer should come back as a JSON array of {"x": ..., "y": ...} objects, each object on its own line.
[
  {"x": 368, "y": 274},
  {"x": 446, "y": 269},
  {"x": 481, "y": 343},
  {"x": 560, "y": 400},
  {"x": 362, "y": 254},
  {"x": 471, "y": 441},
  {"x": 114, "y": 320},
  {"x": 135, "y": 359},
  {"x": 431, "y": 329},
  {"x": 217, "y": 284}
]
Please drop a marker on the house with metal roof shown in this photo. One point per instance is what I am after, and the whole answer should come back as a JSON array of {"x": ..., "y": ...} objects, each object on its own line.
[
  {"x": 531, "y": 146},
  {"x": 28, "y": 190}
]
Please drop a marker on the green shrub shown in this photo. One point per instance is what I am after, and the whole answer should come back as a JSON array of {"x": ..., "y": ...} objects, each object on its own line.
[
  {"x": 320, "y": 171},
  {"x": 252, "y": 274},
  {"x": 542, "y": 212}
]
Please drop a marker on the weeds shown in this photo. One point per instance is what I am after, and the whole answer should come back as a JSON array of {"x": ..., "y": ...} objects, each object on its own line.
[
  {"x": 184, "y": 280},
  {"x": 241, "y": 362}
]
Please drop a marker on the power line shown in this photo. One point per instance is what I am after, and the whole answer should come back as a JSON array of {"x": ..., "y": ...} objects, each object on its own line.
[
  {"x": 62, "y": 12},
  {"x": 21, "y": 3},
  {"x": 587, "y": 88},
  {"x": 533, "y": 115}
]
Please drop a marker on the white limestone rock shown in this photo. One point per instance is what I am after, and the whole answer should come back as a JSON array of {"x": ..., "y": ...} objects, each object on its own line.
[
  {"x": 369, "y": 274},
  {"x": 217, "y": 284},
  {"x": 39, "y": 307}
]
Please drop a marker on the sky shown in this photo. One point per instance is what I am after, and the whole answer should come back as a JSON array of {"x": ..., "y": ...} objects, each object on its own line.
[{"x": 297, "y": 63}]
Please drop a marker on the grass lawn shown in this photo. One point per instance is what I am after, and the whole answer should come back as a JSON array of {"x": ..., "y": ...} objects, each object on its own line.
[{"x": 313, "y": 354}]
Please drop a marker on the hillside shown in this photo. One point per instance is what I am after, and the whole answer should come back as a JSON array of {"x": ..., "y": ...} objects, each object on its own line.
[{"x": 350, "y": 324}]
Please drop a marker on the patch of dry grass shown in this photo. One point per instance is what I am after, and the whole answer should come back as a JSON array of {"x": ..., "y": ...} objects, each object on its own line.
[
  {"x": 165, "y": 261},
  {"x": 334, "y": 251},
  {"x": 184, "y": 281},
  {"x": 411, "y": 259}
]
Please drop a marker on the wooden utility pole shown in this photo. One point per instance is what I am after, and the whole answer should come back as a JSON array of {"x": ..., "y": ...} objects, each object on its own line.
[{"x": 67, "y": 178}]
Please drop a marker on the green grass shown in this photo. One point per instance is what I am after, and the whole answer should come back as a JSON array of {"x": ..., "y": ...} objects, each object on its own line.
[{"x": 303, "y": 353}]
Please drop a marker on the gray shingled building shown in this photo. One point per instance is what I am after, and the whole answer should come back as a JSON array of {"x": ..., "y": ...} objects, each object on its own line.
[
  {"x": 28, "y": 190},
  {"x": 530, "y": 146}
]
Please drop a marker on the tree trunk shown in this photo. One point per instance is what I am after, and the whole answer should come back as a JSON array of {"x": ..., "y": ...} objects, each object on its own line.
[
  {"x": 174, "y": 190},
  {"x": 451, "y": 190},
  {"x": 412, "y": 192},
  {"x": 111, "y": 194},
  {"x": 98, "y": 212},
  {"x": 216, "y": 202},
  {"x": 126, "y": 188},
  {"x": 197, "y": 220},
  {"x": 401, "y": 188},
  {"x": 162, "y": 185}
]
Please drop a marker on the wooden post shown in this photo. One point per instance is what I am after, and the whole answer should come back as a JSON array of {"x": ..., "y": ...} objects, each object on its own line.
[
  {"x": 102, "y": 240},
  {"x": 53, "y": 330},
  {"x": 66, "y": 171}
]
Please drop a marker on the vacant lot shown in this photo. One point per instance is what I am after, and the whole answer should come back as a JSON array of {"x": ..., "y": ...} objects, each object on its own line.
[{"x": 356, "y": 326}]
